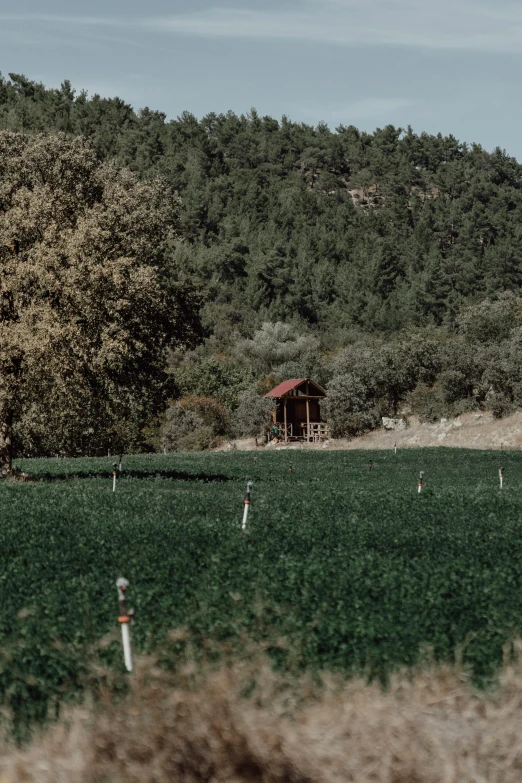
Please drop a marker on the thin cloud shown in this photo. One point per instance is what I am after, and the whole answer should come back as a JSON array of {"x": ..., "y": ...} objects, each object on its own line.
[
  {"x": 444, "y": 24},
  {"x": 69, "y": 20},
  {"x": 44, "y": 30},
  {"x": 370, "y": 108},
  {"x": 473, "y": 25}
]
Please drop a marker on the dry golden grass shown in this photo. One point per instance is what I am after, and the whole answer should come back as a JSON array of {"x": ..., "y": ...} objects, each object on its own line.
[{"x": 430, "y": 728}]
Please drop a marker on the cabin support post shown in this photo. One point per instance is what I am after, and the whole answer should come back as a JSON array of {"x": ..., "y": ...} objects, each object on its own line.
[
  {"x": 307, "y": 412},
  {"x": 286, "y": 431}
]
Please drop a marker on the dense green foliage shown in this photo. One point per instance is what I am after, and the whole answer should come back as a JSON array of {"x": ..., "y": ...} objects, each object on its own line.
[
  {"x": 341, "y": 567},
  {"x": 384, "y": 265},
  {"x": 89, "y": 300},
  {"x": 430, "y": 374},
  {"x": 285, "y": 221}
]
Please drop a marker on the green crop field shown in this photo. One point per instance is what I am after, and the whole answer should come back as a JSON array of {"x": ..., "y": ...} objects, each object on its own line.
[{"x": 341, "y": 567}]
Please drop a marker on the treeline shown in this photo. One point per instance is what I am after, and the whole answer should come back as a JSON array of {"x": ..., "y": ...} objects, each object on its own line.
[
  {"x": 348, "y": 238},
  {"x": 343, "y": 230}
]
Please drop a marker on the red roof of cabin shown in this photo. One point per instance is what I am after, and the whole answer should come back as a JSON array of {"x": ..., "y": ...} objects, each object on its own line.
[{"x": 285, "y": 387}]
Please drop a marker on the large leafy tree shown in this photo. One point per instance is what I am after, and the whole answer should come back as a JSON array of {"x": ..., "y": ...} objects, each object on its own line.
[{"x": 88, "y": 301}]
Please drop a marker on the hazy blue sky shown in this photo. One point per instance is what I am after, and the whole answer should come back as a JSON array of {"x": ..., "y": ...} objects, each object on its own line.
[{"x": 440, "y": 65}]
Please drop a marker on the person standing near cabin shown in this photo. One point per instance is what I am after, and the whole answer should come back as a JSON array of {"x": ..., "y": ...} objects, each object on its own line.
[{"x": 275, "y": 433}]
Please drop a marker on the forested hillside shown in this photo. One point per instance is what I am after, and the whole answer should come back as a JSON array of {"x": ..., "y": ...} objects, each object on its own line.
[
  {"x": 339, "y": 228},
  {"x": 343, "y": 236}
]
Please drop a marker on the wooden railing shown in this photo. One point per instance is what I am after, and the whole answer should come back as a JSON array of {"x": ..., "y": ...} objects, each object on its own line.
[{"x": 316, "y": 431}]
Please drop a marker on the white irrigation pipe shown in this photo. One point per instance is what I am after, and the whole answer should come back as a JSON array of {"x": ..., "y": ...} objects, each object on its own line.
[
  {"x": 500, "y": 476},
  {"x": 246, "y": 503},
  {"x": 395, "y": 446},
  {"x": 421, "y": 476},
  {"x": 114, "y": 473},
  {"x": 125, "y": 618}
]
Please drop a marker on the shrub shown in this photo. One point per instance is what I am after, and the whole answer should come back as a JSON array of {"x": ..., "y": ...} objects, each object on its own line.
[
  {"x": 179, "y": 423},
  {"x": 500, "y": 405},
  {"x": 267, "y": 382},
  {"x": 212, "y": 377},
  {"x": 198, "y": 439},
  {"x": 212, "y": 412},
  {"x": 277, "y": 344},
  {"x": 350, "y": 407},
  {"x": 194, "y": 424},
  {"x": 454, "y": 385},
  {"x": 428, "y": 402},
  {"x": 490, "y": 321},
  {"x": 253, "y": 415}
]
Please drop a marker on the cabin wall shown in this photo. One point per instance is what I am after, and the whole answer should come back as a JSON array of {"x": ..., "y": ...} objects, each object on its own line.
[{"x": 296, "y": 413}]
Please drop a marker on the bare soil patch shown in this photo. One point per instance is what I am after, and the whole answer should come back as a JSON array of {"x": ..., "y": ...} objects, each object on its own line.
[{"x": 469, "y": 431}]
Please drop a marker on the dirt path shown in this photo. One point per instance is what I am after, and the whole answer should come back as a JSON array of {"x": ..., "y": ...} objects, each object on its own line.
[{"x": 470, "y": 430}]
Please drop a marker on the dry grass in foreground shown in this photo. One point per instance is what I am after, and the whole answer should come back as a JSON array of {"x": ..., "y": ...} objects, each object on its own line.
[{"x": 433, "y": 728}]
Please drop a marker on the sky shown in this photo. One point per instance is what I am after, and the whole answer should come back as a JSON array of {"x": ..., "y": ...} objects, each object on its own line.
[{"x": 449, "y": 66}]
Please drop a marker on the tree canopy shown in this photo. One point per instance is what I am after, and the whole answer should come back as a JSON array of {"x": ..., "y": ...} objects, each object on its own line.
[
  {"x": 343, "y": 231},
  {"x": 386, "y": 265},
  {"x": 89, "y": 303}
]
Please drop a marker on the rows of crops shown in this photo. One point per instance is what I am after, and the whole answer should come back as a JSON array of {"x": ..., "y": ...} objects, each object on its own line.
[{"x": 342, "y": 567}]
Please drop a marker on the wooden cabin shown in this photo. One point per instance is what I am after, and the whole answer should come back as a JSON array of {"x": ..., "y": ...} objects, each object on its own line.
[{"x": 298, "y": 412}]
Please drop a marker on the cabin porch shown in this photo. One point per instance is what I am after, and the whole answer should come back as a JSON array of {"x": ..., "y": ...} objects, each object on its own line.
[{"x": 298, "y": 414}]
